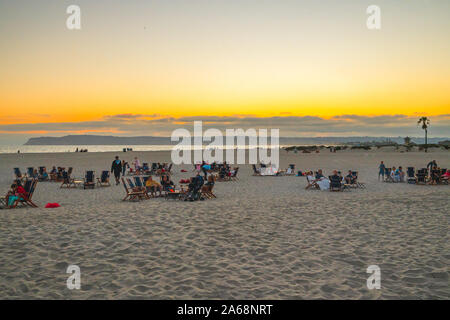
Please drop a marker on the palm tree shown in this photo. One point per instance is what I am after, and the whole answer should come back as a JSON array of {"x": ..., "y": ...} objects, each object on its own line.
[{"x": 425, "y": 123}]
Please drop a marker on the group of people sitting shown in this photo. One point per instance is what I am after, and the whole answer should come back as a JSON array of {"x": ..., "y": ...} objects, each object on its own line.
[
  {"x": 223, "y": 170},
  {"x": 156, "y": 168},
  {"x": 432, "y": 174},
  {"x": 318, "y": 180},
  {"x": 196, "y": 186},
  {"x": 154, "y": 187}
]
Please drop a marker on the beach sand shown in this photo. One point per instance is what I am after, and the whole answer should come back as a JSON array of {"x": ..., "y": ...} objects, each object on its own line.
[{"x": 262, "y": 238}]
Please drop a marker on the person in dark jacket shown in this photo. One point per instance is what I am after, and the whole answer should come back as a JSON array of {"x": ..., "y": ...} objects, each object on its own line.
[{"x": 116, "y": 168}]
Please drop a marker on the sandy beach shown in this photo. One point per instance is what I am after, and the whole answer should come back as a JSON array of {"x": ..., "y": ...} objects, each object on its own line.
[{"x": 262, "y": 238}]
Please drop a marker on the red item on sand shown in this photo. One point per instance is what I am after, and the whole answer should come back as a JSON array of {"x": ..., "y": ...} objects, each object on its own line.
[
  {"x": 52, "y": 205},
  {"x": 182, "y": 170}
]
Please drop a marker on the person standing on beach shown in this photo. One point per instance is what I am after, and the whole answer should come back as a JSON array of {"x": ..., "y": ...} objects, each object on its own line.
[
  {"x": 116, "y": 168},
  {"x": 124, "y": 167},
  {"x": 431, "y": 165},
  {"x": 137, "y": 165},
  {"x": 381, "y": 171}
]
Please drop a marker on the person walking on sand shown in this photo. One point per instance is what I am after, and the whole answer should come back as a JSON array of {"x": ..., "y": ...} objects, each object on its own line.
[
  {"x": 381, "y": 171},
  {"x": 116, "y": 168}
]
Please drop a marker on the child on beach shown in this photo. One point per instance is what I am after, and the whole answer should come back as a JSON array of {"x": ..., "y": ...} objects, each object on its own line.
[
  {"x": 16, "y": 192},
  {"x": 137, "y": 165}
]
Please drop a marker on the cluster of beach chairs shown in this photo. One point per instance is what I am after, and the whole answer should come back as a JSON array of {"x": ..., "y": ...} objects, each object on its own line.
[
  {"x": 423, "y": 176},
  {"x": 334, "y": 182},
  {"x": 153, "y": 169},
  {"x": 138, "y": 188}
]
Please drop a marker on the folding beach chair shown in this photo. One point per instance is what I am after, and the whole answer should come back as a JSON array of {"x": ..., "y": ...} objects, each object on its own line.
[
  {"x": 422, "y": 176},
  {"x": 154, "y": 168},
  {"x": 291, "y": 170},
  {"x": 131, "y": 192},
  {"x": 26, "y": 199},
  {"x": 435, "y": 176},
  {"x": 311, "y": 184},
  {"x": 59, "y": 174},
  {"x": 138, "y": 185},
  {"x": 169, "y": 169},
  {"x": 207, "y": 191},
  {"x": 30, "y": 173},
  {"x": 335, "y": 183},
  {"x": 138, "y": 182},
  {"x": 387, "y": 175},
  {"x": 18, "y": 174},
  {"x": 89, "y": 180},
  {"x": 255, "y": 171},
  {"x": 355, "y": 181},
  {"x": 411, "y": 176},
  {"x": 68, "y": 182},
  {"x": 41, "y": 174},
  {"x": 234, "y": 177},
  {"x": 103, "y": 181}
]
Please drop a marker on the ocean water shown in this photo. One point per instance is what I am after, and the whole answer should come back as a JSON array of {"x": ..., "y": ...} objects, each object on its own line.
[{"x": 91, "y": 148}]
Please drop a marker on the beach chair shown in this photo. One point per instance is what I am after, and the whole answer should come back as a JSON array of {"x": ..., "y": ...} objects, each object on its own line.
[
  {"x": 132, "y": 193},
  {"x": 154, "y": 168},
  {"x": 256, "y": 172},
  {"x": 311, "y": 184},
  {"x": 103, "y": 181},
  {"x": 59, "y": 174},
  {"x": 89, "y": 180},
  {"x": 411, "y": 176},
  {"x": 207, "y": 192},
  {"x": 25, "y": 200},
  {"x": 169, "y": 169},
  {"x": 435, "y": 176},
  {"x": 41, "y": 174},
  {"x": 234, "y": 177},
  {"x": 67, "y": 182},
  {"x": 137, "y": 185},
  {"x": 444, "y": 180},
  {"x": 335, "y": 183},
  {"x": 356, "y": 182},
  {"x": 18, "y": 174},
  {"x": 387, "y": 175},
  {"x": 30, "y": 172},
  {"x": 290, "y": 171},
  {"x": 422, "y": 176}
]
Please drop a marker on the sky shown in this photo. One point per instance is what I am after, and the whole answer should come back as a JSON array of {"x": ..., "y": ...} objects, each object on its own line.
[{"x": 310, "y": 68}]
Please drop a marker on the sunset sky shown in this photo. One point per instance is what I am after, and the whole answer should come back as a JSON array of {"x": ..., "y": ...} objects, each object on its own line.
[{"x": 310, "y": 68}]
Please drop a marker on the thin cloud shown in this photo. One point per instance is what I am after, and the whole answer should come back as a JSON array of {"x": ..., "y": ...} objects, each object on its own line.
[{"x": 339, "y": 125}]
